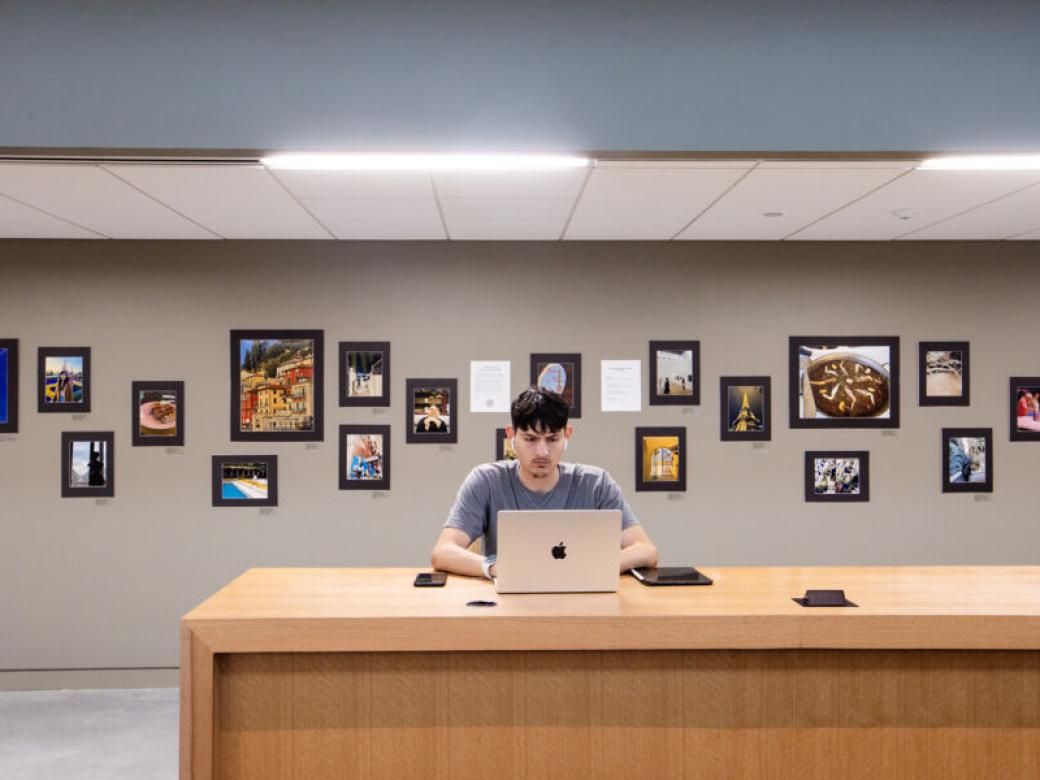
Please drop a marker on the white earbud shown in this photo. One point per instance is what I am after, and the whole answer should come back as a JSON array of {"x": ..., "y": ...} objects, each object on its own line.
[
  {"x": 512, "y": 443},
  {"x": 566, "y": 442}
]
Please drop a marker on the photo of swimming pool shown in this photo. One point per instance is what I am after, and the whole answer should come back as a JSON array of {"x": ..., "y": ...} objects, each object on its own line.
[
  {"x": 230, "y": 490},
  {"x": 245, "y": 481}
]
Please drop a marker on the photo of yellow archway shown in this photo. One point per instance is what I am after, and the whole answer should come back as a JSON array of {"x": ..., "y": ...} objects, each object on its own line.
[{"x": 660, "y": 458}]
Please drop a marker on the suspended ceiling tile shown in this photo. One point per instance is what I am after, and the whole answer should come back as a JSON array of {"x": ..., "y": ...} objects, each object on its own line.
[
  {"x": 917, "y": 199},
  {"x": 838, "y": 165},
  {"x": 20, "y": 221},
  {"x": 506, "y": 210},
  {"x": 770, "y": 203},
  {"x": 623, "y": 203},
  {"x": 357, "y": 184},
  {"x": 678, "y": 164},
  {"x": 514, "y": 230},
  {"x": 1009, "y": 216},
  {"x": 564, "y": 183},
  {"x": 394, "y": 230},
  {"x": 234, "y": 201},
  {"x": 89, "y": 196},
  {"x": 379, "y": 218}
]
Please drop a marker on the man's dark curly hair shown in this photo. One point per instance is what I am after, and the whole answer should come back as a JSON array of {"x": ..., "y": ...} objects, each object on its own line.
[{"x": 539, "y": 410}]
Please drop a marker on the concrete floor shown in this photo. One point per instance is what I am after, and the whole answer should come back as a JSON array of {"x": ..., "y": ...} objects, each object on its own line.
[{"x": 74, "y": 735}]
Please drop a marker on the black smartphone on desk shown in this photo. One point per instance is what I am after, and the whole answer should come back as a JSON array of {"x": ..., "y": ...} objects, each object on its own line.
[
  {"x": 670, "y": 575},
  {"x": 430, "y": 579}
]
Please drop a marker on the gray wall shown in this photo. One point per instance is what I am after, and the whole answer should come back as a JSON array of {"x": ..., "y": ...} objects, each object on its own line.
[
  {"x": 102, "y": 585},
  {"x": 737, "y": 75}
]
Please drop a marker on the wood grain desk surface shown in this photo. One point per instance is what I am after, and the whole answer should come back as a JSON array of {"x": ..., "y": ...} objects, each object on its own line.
[{"x": 903, "y": 607}]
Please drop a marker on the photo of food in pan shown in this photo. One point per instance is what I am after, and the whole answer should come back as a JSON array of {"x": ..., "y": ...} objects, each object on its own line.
[
  {"x": 845, "y": 382},
  {"x": 157, "y": 414}
]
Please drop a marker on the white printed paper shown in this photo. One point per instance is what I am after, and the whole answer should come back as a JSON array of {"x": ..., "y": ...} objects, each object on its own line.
[
  {"x": 489, "y": 386},
  {"x": 621, "y": 385}
]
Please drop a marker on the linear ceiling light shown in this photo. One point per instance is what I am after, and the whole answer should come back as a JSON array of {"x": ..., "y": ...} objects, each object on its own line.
[
  {"x": 983, "y": 162},
  {"x": 423, "y": 162}
]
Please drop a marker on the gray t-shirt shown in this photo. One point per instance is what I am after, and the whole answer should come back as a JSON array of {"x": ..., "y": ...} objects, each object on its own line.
[{"x": 494, "y": 486}]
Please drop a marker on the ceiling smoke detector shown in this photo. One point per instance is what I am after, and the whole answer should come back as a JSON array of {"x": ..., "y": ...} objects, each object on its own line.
[{"x": 905, "y": 214}]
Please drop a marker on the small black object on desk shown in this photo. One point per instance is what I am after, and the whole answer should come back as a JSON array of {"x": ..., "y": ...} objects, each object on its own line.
[
  {"x": 824, "y": 598},
  {"x": 670, "y": 575}
]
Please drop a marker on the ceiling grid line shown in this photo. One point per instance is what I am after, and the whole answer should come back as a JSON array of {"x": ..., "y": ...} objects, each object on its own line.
[
  {"x": 440, "y": 207},
  {"x": 969, "y": 210},
  {"x": 721, "y": 195},
  {"x": 574, "y": 205},
  {"x": 844, "y": 206},
  {"x": 301, "y": 204},
  {"x": 166, "y": 206},
  {"x": 13, "y": 199}
]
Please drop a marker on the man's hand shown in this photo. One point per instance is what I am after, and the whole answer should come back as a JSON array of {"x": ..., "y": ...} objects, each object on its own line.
[{"x": 636, "y": 549}]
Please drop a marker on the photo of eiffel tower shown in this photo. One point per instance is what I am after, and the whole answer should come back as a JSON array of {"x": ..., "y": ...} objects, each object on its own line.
[{"x": 746, "y": 419}]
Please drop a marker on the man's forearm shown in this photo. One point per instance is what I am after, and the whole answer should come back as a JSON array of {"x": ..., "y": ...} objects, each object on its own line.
[
  {"x": 455, "y": 559},
  {"x": 638, "y": 554}
]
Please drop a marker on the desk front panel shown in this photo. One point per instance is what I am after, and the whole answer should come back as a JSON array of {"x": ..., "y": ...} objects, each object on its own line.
[{"x": 607, "y": 714}]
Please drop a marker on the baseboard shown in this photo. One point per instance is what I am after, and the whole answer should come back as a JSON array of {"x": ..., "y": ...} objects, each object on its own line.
[{"x": 56, "y": 679}]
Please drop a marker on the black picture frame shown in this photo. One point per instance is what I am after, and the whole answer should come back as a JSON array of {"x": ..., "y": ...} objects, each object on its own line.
[
  {"x": 1032, "y": 430},
  {"x": 245, "y": 463},
  {"x": 140, "y": 415},
  {"x": 348, "y": 466},
  {"x": 764, "y": 418},
  {"x": 451, "y": 419},
  {"x": 71, "y": 488},
  {"x": 645, "y": 480},
  {"x": 800, "y": 346},
  {"x": 43, "y": 404},
  {"x": 862, "y": 476},
  {"x": 8, "y": 385},
  {"x": 503, "y": 448},
  {"x": 293, "y": 425},
  {"x": 660, "y": 398},
  {"x": 572, "y": 387},
  {"x": 949, "y": 462},
  {"x": 346, "y": 387},
  {"x": 925, "y": 368}
]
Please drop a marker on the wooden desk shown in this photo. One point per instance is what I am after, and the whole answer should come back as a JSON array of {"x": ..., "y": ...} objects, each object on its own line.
[{"x": 315, "y": 673}]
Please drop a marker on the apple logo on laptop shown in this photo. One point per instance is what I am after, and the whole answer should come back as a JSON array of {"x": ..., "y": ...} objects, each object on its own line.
[{"x": 559, "y": 552}]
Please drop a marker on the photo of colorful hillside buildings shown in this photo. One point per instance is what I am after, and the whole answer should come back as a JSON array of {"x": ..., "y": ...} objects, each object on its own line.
[{"x": 276, "y": 389}]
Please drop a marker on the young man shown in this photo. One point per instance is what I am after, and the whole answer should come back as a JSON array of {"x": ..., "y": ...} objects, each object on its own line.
[{"x": 535, "y": 480}]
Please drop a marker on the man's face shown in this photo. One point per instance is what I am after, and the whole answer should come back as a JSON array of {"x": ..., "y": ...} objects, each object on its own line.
[{"x": 539, "y": 451}]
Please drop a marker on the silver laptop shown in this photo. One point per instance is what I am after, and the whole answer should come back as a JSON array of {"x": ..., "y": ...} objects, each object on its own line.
[{"x": 559, "y": 551}]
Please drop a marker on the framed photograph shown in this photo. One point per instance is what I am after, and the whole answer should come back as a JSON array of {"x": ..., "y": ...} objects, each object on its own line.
[
  {"x": 63, "y": 379},
  {"x": 8, "y": 385},
  {"x": 364, "y": 457},
  {"x": 675, "y": 373},
  {"x": 430, "y": 411},
  {"x": 844, "y": 381},
  {"x": 88, "y": 464},
  {"x": 661, "y": 459},
  {"x": 503, "y": 446},
  {"x": 837, "y": 476},
  {"x": 1024, "y": 408},
  {"x": 967, "y": 460},
  {"x": 745, "y": 408},
  {"x": 364, "y": 373},
  {"x": 276, "y": 385},
  {"x": 157, "y": 414},
  {"x": 561, "y": 373},
  {"x": 943, "y": 371},
  {"x": 245, "y": 480}
]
